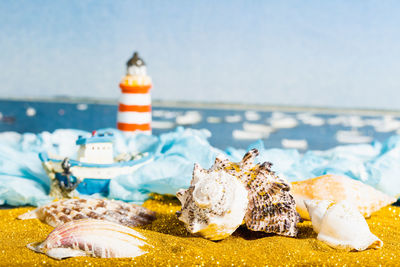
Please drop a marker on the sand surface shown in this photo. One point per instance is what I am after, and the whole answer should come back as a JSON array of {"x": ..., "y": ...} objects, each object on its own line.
[{"x": 174, "y": 246}]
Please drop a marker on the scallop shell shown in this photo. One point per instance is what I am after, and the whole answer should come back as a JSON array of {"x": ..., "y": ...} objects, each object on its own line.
[
  {"x": 94, "y": 238},
  {"x": 220, "y": 198},
  {"x": 66, "y": 210},
  {"x": 215, "y": 203},
  {"x": 337, "y": 188},
  {"x": 341, "y": 225}
]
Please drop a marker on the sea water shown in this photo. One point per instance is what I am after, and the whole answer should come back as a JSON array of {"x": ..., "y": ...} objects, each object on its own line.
[{"x": 236, "y": 128}]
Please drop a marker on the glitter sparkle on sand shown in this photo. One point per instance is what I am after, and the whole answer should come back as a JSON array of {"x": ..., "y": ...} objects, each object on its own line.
[{"x": 173, "y": 245}]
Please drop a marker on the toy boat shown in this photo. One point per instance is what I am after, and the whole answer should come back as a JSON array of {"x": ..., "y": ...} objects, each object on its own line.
[{"x": 92, "y": 171}]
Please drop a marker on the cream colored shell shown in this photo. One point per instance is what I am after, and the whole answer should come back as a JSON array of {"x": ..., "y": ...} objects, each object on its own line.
[
  {"x": 337, "y": 188},
  {"x": 341, "y": 225},
  {"x": 214, "y": 205}
]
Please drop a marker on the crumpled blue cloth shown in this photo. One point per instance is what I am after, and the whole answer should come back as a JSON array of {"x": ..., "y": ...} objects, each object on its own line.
[
  {"x": 23, "y": 181},
  {"x": 375, "y": 164}
]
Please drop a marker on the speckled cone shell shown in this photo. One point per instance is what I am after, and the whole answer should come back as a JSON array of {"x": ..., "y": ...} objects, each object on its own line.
[
  {"x": 94, "y": 238},
  {"x": 341, "y": 225},
  {"x": 337, "y": 188},
  {"x": 271, "y": 208}
]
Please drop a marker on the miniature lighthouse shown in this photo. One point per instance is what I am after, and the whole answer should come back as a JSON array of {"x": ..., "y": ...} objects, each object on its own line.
[
  {"x": 96, "y": 149},
  {"x": 134, "y": 112}
]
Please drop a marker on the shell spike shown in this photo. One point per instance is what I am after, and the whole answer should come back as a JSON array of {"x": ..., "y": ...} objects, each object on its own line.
[
  {"x": 180, "y": 194},
  {"x": 249, "y": 158},
  {"x": 197, "y": 172},
  {"x": 197, "y": 168},
  {"x": 266, "y": 166},
  {"x": 220, "y": 160}
]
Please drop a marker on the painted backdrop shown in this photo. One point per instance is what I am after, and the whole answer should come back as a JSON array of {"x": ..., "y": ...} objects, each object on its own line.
[{"x": 309, "y": 53}]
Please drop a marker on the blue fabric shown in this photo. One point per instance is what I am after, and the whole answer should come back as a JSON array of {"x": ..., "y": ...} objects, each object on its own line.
[{"x": 24, "y": 182}]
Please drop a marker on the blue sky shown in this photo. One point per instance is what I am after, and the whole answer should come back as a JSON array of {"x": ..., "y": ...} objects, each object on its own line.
[{"x": 308, "y": 53}]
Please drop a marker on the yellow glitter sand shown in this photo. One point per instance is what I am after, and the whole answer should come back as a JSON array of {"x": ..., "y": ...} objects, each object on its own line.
[{"x": 174, "y": 246}]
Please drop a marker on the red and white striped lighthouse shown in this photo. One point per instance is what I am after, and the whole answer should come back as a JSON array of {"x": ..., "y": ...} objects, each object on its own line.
[{"x": 134, "y": 112}]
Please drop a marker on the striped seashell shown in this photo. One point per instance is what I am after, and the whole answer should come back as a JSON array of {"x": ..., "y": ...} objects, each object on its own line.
[
  {"x": 94, "y": 238},
  {"x": 66, "y": 210}
]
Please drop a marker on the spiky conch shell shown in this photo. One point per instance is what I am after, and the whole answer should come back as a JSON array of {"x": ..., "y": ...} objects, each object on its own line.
[
  {"x": 272, "y": 208},
  {"x": 215, "y": 203},
  {"x": 341, "y": 225},
  {"x": 266, "y": 199}
]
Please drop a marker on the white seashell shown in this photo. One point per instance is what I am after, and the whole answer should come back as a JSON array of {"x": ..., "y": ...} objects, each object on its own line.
[
  {"x": 215, "y": 203},
  {"x": 94, "y": 238},
  {"x": 341, "y": 225}
]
